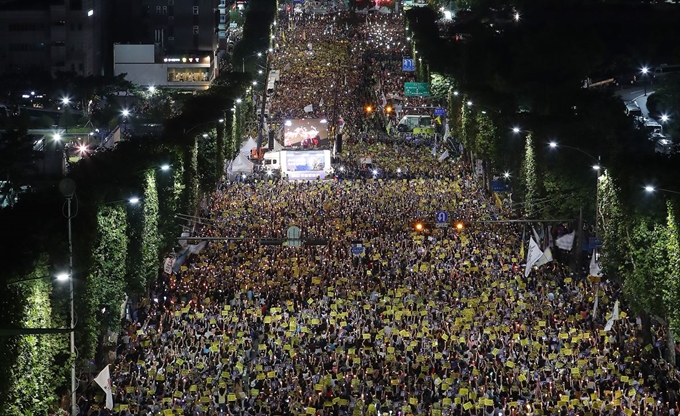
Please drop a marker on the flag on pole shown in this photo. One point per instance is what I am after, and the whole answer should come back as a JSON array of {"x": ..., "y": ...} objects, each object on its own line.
[
  {"x": 534, "y": 254},
  {"x": 104, "y": 381},
  {"x": 389, "y": 126},
  {"x": 499, "y": 203},
  {"x": 444, "y": 155},
  {"x": 566, "y": 242},
  {"x": 597, "y": 301},
  {"x": 283, "y": 36},
  {"x": 521, "y": 243},
  {"x": 614, "y": 317}
]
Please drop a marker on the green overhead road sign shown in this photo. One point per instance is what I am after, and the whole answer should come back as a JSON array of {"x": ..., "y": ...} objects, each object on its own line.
[{"x": 416, "y": 89}]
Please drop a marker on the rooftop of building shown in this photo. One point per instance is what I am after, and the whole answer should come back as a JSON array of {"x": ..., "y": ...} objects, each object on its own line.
[{"x": 7, "y": 5}]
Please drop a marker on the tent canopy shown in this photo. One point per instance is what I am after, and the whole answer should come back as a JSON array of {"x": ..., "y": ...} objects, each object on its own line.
[
  {"x": 277, "y": 146},
  {"x": 248, "y": 146},
  {"x": 240, "y": 164}
]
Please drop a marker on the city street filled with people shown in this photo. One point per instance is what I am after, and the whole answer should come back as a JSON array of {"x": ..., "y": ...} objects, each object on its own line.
[{"x": 379, "y": 311}]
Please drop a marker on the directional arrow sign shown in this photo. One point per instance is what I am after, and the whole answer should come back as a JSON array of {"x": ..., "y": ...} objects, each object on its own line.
[{"x": 442, "y": 218}]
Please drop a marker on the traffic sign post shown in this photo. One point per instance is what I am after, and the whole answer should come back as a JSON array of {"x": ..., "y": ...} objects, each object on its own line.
[
  {"x": 408, "y": 65},
  {"x": 442, "y": 218},
  {"x": 439, "y": 112},
  {"x": 293, "y": 234},
  {"x": 416, "y": 89}
]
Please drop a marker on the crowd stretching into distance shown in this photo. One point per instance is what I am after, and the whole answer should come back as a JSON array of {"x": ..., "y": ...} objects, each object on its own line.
[{"x": 434, "y": 322}]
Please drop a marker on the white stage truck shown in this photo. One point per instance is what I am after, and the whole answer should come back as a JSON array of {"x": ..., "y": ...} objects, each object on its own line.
[{"x": 300, "y": 164}]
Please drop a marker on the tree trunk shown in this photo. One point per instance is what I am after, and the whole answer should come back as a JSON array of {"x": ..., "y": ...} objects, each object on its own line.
[
  {"x": 219, "y": 157},
  {"x": 646, "y": 329},
  {"x": 670, "y": 346}
]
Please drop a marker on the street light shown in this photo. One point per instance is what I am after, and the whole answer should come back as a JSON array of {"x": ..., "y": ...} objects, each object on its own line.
[
  {"x": 67, "y": 187},
  {"x": 506, "y": 175},
  {"x": 65, "y": 101},
  {"x": 187, "y": 130},
  {"x": 651, "y": 189},
  {"x": 62, "y": 277},
  {"x": 152, "y": 89},
  {"x": 664, "y": 119},
  {"x": 165, "y": 167},
  {"x": 554, "y": 145},
  {"x": 243, "y": 60},
  {"x": 133, "y": 200},
  {"x": 596, "y": 167},
  {"x": 516, "y": 130},
  {"x": 238, "y": 101},
  {"x": 645, "y": 71}
]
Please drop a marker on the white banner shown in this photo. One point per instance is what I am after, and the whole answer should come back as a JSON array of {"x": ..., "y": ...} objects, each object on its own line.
[
  {"x": 566, "y": 242},
  {"x": 534, "y": 254}
]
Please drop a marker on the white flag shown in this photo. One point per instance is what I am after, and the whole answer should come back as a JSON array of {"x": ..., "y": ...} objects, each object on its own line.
[
  {"x": 545, "y": 258},
  {"x": 444, "y": 155},
  {"x": 197, "y": 248},
  {"x": 614, "y": 317},
  {"x": 566, "y": 242},
  {"x": 597, "y": 301},
  {"x": 595, "y": 269},
  {"x": 534, "y": 254},
  {"x": 615, "y": 314},
  {"x": 321, "y": 102},
  {"x": 309, "y": 109},
  {"x": 104, "y": 381},
  {"x": 536, "y": 237}
]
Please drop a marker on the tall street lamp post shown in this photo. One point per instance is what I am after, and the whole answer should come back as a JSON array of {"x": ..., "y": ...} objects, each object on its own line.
[
  {"x": 67, "y": 187},
  {"x": 645, "y": 72}
]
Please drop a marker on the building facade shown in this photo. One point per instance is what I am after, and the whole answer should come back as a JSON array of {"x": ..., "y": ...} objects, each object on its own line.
[
  {"x": 177, "y": 26},
  {"x": 54, "y": 35},
  {"x": 147, "y": 65}
]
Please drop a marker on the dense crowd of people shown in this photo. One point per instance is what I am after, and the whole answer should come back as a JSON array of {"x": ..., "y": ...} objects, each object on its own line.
[{"x": 371, "y": 314}]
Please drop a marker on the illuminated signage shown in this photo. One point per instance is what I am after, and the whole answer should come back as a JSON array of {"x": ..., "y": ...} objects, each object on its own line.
[{"x": 186, "y": 60}]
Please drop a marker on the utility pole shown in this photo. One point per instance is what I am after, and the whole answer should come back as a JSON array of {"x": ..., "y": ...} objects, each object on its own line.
[
  {"x": 579, "y": 242},
  {"x": 260, "y": 127}
]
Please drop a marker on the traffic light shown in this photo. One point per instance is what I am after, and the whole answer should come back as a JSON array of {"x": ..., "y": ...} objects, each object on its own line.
[{"x": 369, "y": 109}]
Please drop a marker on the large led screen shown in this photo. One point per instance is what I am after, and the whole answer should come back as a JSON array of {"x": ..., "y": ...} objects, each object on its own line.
[{"x": 306, "y": 133}]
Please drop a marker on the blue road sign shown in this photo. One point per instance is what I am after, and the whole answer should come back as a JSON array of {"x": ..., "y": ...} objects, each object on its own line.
[
  {"x": 357, "y": 250},
  {"x": 408, "y": 65},
  {"x": 439, "y": 111},
  {"x": 594, "y": 243},
  {"x": 442, "y": 216},
  {"x": 500, "y": 186}
]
